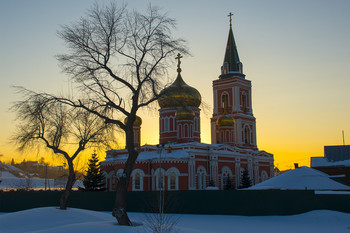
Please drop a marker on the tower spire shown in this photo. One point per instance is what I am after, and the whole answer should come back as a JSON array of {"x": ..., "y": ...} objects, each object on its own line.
[{"x": 231, "y": 64}]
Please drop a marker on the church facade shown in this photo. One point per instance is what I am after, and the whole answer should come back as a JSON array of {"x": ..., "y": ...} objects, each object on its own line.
[{"x": 180, "y": 161}]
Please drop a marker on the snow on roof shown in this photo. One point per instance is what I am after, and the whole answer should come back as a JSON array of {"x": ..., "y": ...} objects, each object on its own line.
[
  {"x": 183, "y": 150},
  {"x": 145, "y": 155},
  {"x": 300, "y": 179},
  {"x": 324, "y": 162}
]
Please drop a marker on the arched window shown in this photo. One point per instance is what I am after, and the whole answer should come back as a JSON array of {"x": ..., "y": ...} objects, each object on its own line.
[
  {"x": 166, "y": 125},
  {"x": 137, "y": 179},
  {"x": 172, "y": 181},
  {"x": 246, "y": 135},
  {"x": 179, "y": 131},
  {"x": 244, "y": 102},
  {"x": 113, "y": 181},
  {"x": 201, "y": 178},
  {"x": 171, "y": 122},
  {"x": 227, "y": 178},
  {"x": 137, "y": 182},
  {"x": 224, "y": 101},
  {"x": 173, "y": 178},
  {"x": 159, "y": 179},
  {"x": 196, "y": 124}
]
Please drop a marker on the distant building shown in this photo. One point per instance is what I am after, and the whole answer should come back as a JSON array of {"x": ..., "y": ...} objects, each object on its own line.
[
  {"x": 181, "y": 161},
  {"x": 336, "y": 163}
]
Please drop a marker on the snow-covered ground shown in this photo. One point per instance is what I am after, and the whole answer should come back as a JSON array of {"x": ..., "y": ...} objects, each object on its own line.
[
  {"x": 53, "y": 220},
  {"x": 14, "y": 178}
]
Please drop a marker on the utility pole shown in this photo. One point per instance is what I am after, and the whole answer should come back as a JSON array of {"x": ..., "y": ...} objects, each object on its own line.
[{"x": 343, "y": 138}]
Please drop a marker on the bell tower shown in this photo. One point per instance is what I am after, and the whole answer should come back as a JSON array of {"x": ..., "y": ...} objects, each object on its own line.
[{"x": 233, "y": 99}]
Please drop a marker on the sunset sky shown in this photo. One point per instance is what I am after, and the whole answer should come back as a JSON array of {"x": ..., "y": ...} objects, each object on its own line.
[{"x": 296, "y": 53}]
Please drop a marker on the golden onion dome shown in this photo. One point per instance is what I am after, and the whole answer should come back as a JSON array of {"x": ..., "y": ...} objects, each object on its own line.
[
  {"x": 184, "y": 113},
  {"x": 137, "y": 122},
  {"x": 225, "y": 121},
  {"x": 179, "y": 94}
]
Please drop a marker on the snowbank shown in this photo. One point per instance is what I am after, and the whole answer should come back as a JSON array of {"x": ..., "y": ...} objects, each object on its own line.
[{"x": 53, "y": 220}]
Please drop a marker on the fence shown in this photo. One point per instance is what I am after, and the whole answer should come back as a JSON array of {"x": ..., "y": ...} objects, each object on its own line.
[{"x": 235, "y": 202}]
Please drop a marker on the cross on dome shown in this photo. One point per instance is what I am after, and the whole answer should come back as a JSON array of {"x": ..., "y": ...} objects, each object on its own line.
[
  {"x": 178, "y": 57},
  {"x": 230, "y": 15}
]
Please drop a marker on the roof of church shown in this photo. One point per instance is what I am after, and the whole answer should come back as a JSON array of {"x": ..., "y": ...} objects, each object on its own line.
[
  {"x": 231, "y": 54},
  {"x": 179, "y": 94},
  {"x": 231, "y": 63},
  {"x": 182, "y": 151}
]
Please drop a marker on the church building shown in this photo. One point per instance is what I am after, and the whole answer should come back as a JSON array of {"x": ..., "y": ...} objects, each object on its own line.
[{"x": 180, "y": 161}]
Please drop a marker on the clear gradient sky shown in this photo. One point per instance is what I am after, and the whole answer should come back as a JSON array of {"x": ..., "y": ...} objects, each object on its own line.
[{"x": 296, "y": 53}]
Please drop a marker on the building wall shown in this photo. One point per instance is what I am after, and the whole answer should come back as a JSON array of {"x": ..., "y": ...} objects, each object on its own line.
[
  {"x": 196, "y": 172},
  {"x": 334, "y": 170}
]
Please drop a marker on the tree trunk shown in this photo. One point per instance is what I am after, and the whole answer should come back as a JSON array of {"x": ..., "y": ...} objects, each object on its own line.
[
  {"x": 69, "y": 185},
  {"x": 119, "y": 209}
]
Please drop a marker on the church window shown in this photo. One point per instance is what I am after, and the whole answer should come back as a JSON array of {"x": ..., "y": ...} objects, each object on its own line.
[
  {"x": 244, "y": 102},
  {"x": 196, "y": 124},
  {"x": 166, "y": 125},
  {"x": 173, "y": 178},
  {"x": 227, "y": 181},
  {"x": 159, "y": 178},
  {"x": 224, "y": 103},
  {"x": 171, "y": 120},
  {"x": 172, "y": 181},
  {"x": 160, "y": 181},
  {"x": 185, "y": 130},
  {"x": 246, "y": 135},
  {"x": 201, "y": 178},
  {"x": 137, "y": 181},
  {"x": 113, "y": 179}
]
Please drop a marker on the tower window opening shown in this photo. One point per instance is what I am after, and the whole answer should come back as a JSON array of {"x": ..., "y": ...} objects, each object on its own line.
[
  {"x": 246, "y": 135},
  {"x": 224, "y": 103},
  {"x": 244, "y": 102}
]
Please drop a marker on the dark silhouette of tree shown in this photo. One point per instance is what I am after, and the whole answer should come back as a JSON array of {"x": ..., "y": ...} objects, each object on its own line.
[
  {"x": 94, "y": 180},
  {"x": 64, "y": 130},
  {"x": 228, "y": 183},
  {"x": 245, "y": 180},
  {"x": 118, "y": 60}
]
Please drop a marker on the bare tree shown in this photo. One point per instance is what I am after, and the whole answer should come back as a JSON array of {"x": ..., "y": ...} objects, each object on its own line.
[
  {"x": 118, "y": 60},
  {"x": 64, "y": 130}
]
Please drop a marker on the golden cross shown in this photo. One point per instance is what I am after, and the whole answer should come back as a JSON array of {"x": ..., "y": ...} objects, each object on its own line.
[
  {"x": 230, "y": 15},
  {"x": 178, "y": 62}
]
